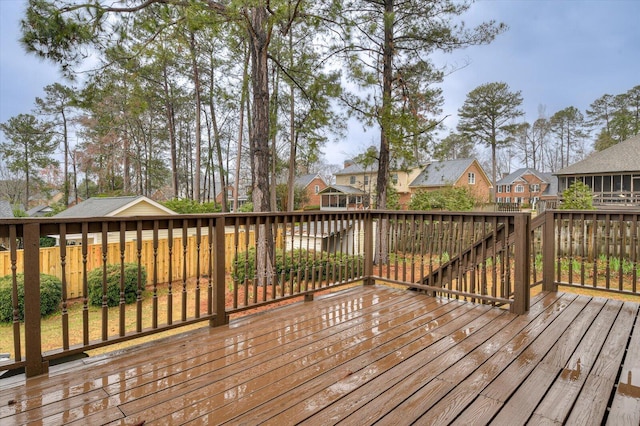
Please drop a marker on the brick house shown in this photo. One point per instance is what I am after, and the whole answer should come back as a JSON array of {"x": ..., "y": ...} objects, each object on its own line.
[
  {"x": 365, "y": 180},
  {"x": 465, "y": 172},
  {"x": 526, "y": 186},
  {"x": 312, "y": 184}
]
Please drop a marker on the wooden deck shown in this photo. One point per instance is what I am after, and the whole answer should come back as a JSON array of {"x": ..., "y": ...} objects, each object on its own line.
[{"x": 360, "y": 356}]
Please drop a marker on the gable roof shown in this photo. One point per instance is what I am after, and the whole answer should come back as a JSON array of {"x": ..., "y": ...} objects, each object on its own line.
[
  {"x": 442, "y": 173},
  {"x": 305, "y": 180},
  {"x": 108, "y": 206},
  {"x": 518, "y": 175},
  {"x": 40, "y": 210},
  {"x": 5, "y": 209},
  {"x": 621, "y": 157},
  {"x": 343, "y": 189}
]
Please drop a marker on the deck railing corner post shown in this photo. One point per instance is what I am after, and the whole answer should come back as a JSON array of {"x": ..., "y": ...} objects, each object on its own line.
[
  {"x": 522, "y": 292},
  {"x": 35, "y": 364},
  {"x": 219, "y": 274}
]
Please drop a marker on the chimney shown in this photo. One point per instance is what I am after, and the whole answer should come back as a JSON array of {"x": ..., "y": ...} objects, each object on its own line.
[{"x": 348, "y": 163}]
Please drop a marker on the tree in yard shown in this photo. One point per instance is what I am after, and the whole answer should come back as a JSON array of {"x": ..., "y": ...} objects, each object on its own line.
[
  {"x": 58, "y": 104},
  {"x": 454, "y": 146},
  {"x": 569, "y": 126},
  {"x": 388, "y": 49},
  {"x": 487, "y": 115},
  {"x": 29, "y": 148},
  {"x": 577, "y": 197}
]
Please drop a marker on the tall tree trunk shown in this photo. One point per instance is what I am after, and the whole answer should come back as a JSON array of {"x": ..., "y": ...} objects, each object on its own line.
[
  {"x": 382, "y": 252},
  {"x": 292, "y": 136},
  {"x": 65, "y": 140},
  {"x": 259, "y": 43},
  {"x": 217, "y": 138},
  {"x": 243, "y": 97},
  {"x": 273, "y": 129},
  {"x": 198, "y": 129},
  {"x": 172, "y": 133}
]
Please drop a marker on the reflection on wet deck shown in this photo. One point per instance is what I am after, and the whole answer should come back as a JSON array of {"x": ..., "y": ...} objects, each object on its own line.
[{"x": 359, "y": 356}]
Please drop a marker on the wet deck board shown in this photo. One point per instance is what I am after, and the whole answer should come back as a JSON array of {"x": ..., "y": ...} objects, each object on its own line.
[{"x": 357, "y": 357}]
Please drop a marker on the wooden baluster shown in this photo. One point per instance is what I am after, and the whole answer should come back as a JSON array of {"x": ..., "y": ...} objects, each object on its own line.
[
  {"x": 154, "y": 315},
  {"x": 13, "y": 243},
  {"x": 170, "y": 272},
  {"x": 85, "y": 285},
  {"x": 141, "y": 285},
  {"x": 63, "y": 271},
  {"x": 185, "y": 242},
  {"x": 198, "y": 275},
  {"x": 105, "y": 305}
]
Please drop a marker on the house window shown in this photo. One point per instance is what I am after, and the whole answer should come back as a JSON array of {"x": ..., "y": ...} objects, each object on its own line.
[
  {"x": 499, "y": 200},
  {"x": 472, "y": 178},
  {"x": 507, "y": 188},
  {"x": 394, "y": 178},
  {"x": 499, "y": 189},
  {"x": 534, "y": 187},
  {"x": 317, "y": 188},
  {"x": 507, "y": 200},
  {"x": 352, "y": 180},
  {"x": 519, "y": 188},
  {"x": 366, "y": 180}
]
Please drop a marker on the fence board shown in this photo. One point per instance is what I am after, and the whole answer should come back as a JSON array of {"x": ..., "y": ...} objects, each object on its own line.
[{"x": 50, "y": 259}]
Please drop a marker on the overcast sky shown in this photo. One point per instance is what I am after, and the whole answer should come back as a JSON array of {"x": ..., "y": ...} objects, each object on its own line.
[{"x": 558, "y": 53}]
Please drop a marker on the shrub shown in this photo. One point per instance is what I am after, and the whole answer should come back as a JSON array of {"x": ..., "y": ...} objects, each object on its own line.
[
  {"x": 577, "y": 197},
  {"x": 450, "y": 198},
  {"x": 94, "y": 282},
  {"x": 186, "y": 206},
  {"x": 295, "y": 261},
  {"x": 50, "y": 296}
]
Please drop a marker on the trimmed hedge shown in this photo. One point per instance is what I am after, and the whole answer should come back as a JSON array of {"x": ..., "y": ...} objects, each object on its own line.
[
  {"x": 50, "y": 296},
  {"x": 94, "y": 282},
  {"x": 296, "y": 261}
]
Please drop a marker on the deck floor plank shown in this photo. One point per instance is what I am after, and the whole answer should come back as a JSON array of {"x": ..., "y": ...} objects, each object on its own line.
[
  {"x": 256, "y": 376},
  {"x": 567, "y": 386},
  {"x": 429, "y": 392},
  {"x": 302, "y": 371},
  {"x": 361, "y": 356},
  {"x": 372, "y": 361},
  {"x": 625, "y": 408},
  {"x": 568, "y": 361},
  {"x": 459, "y": 400}
]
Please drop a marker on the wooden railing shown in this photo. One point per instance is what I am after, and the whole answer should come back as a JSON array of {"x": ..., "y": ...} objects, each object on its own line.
[
  {"x": 204, "y": 268},
  {"x": 593, "y": 250}
]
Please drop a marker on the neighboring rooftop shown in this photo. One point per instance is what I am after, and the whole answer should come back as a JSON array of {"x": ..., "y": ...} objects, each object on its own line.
[
  {"x": 5, "y": 209},
  {"x": 108, "y": 206},
  {"x": 621, "y": 157},
  {"x": 442, "y": 173}
]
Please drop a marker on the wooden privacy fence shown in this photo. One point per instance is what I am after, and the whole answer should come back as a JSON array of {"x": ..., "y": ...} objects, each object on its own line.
[{"x": 181, "y": 255}]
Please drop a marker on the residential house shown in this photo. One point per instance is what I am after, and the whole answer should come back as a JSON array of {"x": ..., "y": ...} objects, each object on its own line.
[
  {"x": 114, "y": 207},
  {"x": 312, "y": 184},
  {"x": 526, "y": 186},
  {"x": 341, "y": 197},
  {"x": 6, "y": 211},
  {"x": 613, "y": 174},
  {"x": 365, "y": 179},
  {"x": 242, "y": 196},
  {"x": 39, "y": 211},
  {"x": 466, "y": 172}
]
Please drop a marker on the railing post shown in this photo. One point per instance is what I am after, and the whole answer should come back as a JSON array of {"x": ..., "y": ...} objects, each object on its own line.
[
  {"x": 368, "y": 249},
  {"x": 522, "y": 258},
  {"x": 548, "y": 252},
  {"x": 35, "y": 365},
  {"x": 219, "y": 273}
]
